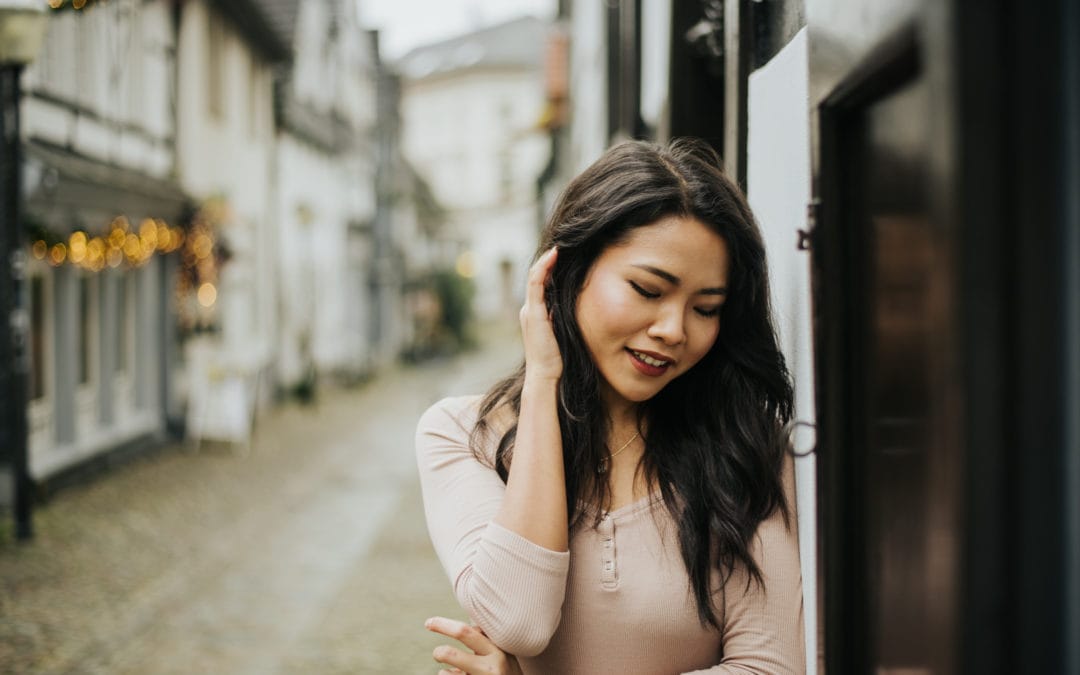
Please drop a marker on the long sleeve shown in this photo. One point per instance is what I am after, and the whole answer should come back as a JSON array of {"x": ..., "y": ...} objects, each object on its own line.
[
  {"x": 512, "y": 588},
  {"x": 763, "y": 623}
]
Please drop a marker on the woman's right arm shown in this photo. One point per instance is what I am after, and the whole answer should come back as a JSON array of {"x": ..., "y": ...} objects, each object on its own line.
[
  {"x": 535, "y": 502},
  {"x": 504, "y": 546}
]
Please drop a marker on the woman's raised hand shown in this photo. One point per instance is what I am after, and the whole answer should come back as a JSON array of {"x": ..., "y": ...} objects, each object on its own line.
[
  {"x": 485, "y": 659},
  {"x": 542, "y": 357}
]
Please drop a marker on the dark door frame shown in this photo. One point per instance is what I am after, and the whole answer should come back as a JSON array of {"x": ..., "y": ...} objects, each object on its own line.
[
  {"x": 1013, "y": 105},
  {"x": 839, "y": 252}
]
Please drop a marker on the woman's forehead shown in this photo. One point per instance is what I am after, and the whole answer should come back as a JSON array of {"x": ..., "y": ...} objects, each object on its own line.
[{"x": 684, "y": 244}]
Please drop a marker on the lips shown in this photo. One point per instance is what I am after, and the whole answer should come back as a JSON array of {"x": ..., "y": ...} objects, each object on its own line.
[{"x": 649, "y": 363}]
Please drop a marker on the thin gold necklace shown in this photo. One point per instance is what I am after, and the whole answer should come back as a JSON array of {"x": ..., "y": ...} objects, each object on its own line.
[{"x": 606, "y": 461}]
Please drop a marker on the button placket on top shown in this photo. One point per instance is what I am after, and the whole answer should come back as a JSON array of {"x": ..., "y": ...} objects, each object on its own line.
[{"x": 609, "y": 573}]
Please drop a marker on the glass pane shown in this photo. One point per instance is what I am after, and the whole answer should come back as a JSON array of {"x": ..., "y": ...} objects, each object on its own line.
[
  {"x": 123, "y": 337},
  {"x": 37, "y": 337},
  {"x": 85, "y": 330}
]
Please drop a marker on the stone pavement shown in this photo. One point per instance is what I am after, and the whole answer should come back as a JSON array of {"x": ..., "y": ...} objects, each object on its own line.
[{"x": 307, "y": 555}]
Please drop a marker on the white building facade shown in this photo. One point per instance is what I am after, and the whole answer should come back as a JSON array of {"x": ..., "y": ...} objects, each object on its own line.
[
  {"x": 203, "y": 220},
  {"x": 98, "y": 131},
  {"x": 471, "y": 108},
  {"x": 324, "y": 173},
  {"x": 225, "y": 145}
]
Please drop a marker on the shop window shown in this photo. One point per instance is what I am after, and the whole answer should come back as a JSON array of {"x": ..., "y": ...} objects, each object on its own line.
[
  {"x": 86, "y": 330},
  {"x": 37, "y": 338},
  {"x": 123, "y": 342}
]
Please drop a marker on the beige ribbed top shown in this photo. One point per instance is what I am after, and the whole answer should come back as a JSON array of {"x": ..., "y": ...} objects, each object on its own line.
[{"x": 619, "y": 601}]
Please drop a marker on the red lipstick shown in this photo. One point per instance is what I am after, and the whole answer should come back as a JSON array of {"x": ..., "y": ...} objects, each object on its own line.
[{"x": 647, "y": 368}]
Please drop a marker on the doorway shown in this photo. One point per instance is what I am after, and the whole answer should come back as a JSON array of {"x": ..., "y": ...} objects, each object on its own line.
[{"x": 889, "y": 451}]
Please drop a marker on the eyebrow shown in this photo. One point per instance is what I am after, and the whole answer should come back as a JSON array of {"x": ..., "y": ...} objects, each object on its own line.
[{"x": 675, "y": 281}]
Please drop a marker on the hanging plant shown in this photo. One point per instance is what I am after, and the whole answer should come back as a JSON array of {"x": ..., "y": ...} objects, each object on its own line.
[{"x": 202, "y": 256}]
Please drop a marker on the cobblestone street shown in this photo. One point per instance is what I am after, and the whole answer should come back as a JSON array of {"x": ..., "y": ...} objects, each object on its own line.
[{"x": 307, "y": 555}]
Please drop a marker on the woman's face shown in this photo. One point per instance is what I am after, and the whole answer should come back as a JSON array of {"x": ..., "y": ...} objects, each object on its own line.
[{"x": 649, "y": 308}]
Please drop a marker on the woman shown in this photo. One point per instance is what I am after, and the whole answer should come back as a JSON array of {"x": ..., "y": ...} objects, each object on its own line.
[{"x": 621, "y": 503}]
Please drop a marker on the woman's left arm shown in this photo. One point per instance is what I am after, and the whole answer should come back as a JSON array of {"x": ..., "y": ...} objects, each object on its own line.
[{"x": 763, "y": 623}]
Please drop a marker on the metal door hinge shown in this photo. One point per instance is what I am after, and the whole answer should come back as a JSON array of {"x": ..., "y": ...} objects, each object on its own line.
[{"x": 806, "y": 236}]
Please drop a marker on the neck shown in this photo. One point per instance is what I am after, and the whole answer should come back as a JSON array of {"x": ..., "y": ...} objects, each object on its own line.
[{"x": 623, "y": 420}]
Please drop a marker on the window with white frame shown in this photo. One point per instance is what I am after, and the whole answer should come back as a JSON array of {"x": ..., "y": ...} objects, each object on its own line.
[
  {"x": 136, "y": 72},
  {"x": 215, "y": 65},
  {"x": 254, "y": 113}
]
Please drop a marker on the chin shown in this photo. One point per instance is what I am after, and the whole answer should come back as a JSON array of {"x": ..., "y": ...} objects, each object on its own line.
[{"x": 640, "y": 396}]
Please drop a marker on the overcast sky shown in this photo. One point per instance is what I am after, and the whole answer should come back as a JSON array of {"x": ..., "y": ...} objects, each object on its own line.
[{"x": 404, "y": 24}]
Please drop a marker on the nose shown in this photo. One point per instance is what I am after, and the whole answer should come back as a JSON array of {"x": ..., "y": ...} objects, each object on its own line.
[{"x": 668, "y": 327}]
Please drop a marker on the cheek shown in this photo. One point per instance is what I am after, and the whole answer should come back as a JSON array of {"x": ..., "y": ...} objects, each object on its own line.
[
  {"x": 704, "y": 340},
  {"x": 605, "y": 307}
]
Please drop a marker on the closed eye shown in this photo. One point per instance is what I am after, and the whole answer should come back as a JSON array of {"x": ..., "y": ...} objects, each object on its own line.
[
  {"x": 644, "y": 293},
  {"x": 715, "y": 311}
]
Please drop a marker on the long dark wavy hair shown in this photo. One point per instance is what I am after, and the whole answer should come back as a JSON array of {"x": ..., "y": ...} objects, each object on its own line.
[{"x": 715, "y": 445}]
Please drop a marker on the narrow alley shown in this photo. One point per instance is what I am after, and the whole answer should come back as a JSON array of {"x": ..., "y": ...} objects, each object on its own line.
[{"x": 307, "y": 554}]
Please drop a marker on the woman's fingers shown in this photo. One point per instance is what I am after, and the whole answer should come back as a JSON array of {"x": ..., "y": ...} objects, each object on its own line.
[
  {"x": 460, "y": 659},
  {"x": 542, "y": 357},
  {"x": 538, "y": 276},
  {"x": 543, "y": 264},
  {"x": 470, "y": 636},
  {"x": 487, "y": 658}
]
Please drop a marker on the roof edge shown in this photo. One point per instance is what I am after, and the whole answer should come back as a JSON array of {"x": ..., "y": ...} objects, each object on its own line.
[{"x": 254, "y": 25}]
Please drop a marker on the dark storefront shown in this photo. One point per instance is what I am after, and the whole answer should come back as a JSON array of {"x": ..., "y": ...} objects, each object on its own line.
[{"x": 946, "y": 335}]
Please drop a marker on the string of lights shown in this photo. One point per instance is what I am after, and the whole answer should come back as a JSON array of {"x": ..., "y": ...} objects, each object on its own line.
[
  {"x": 73, "y": 4},
  {"x": 201, "y": 255},
  {"x": 121, "y": 244}
]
